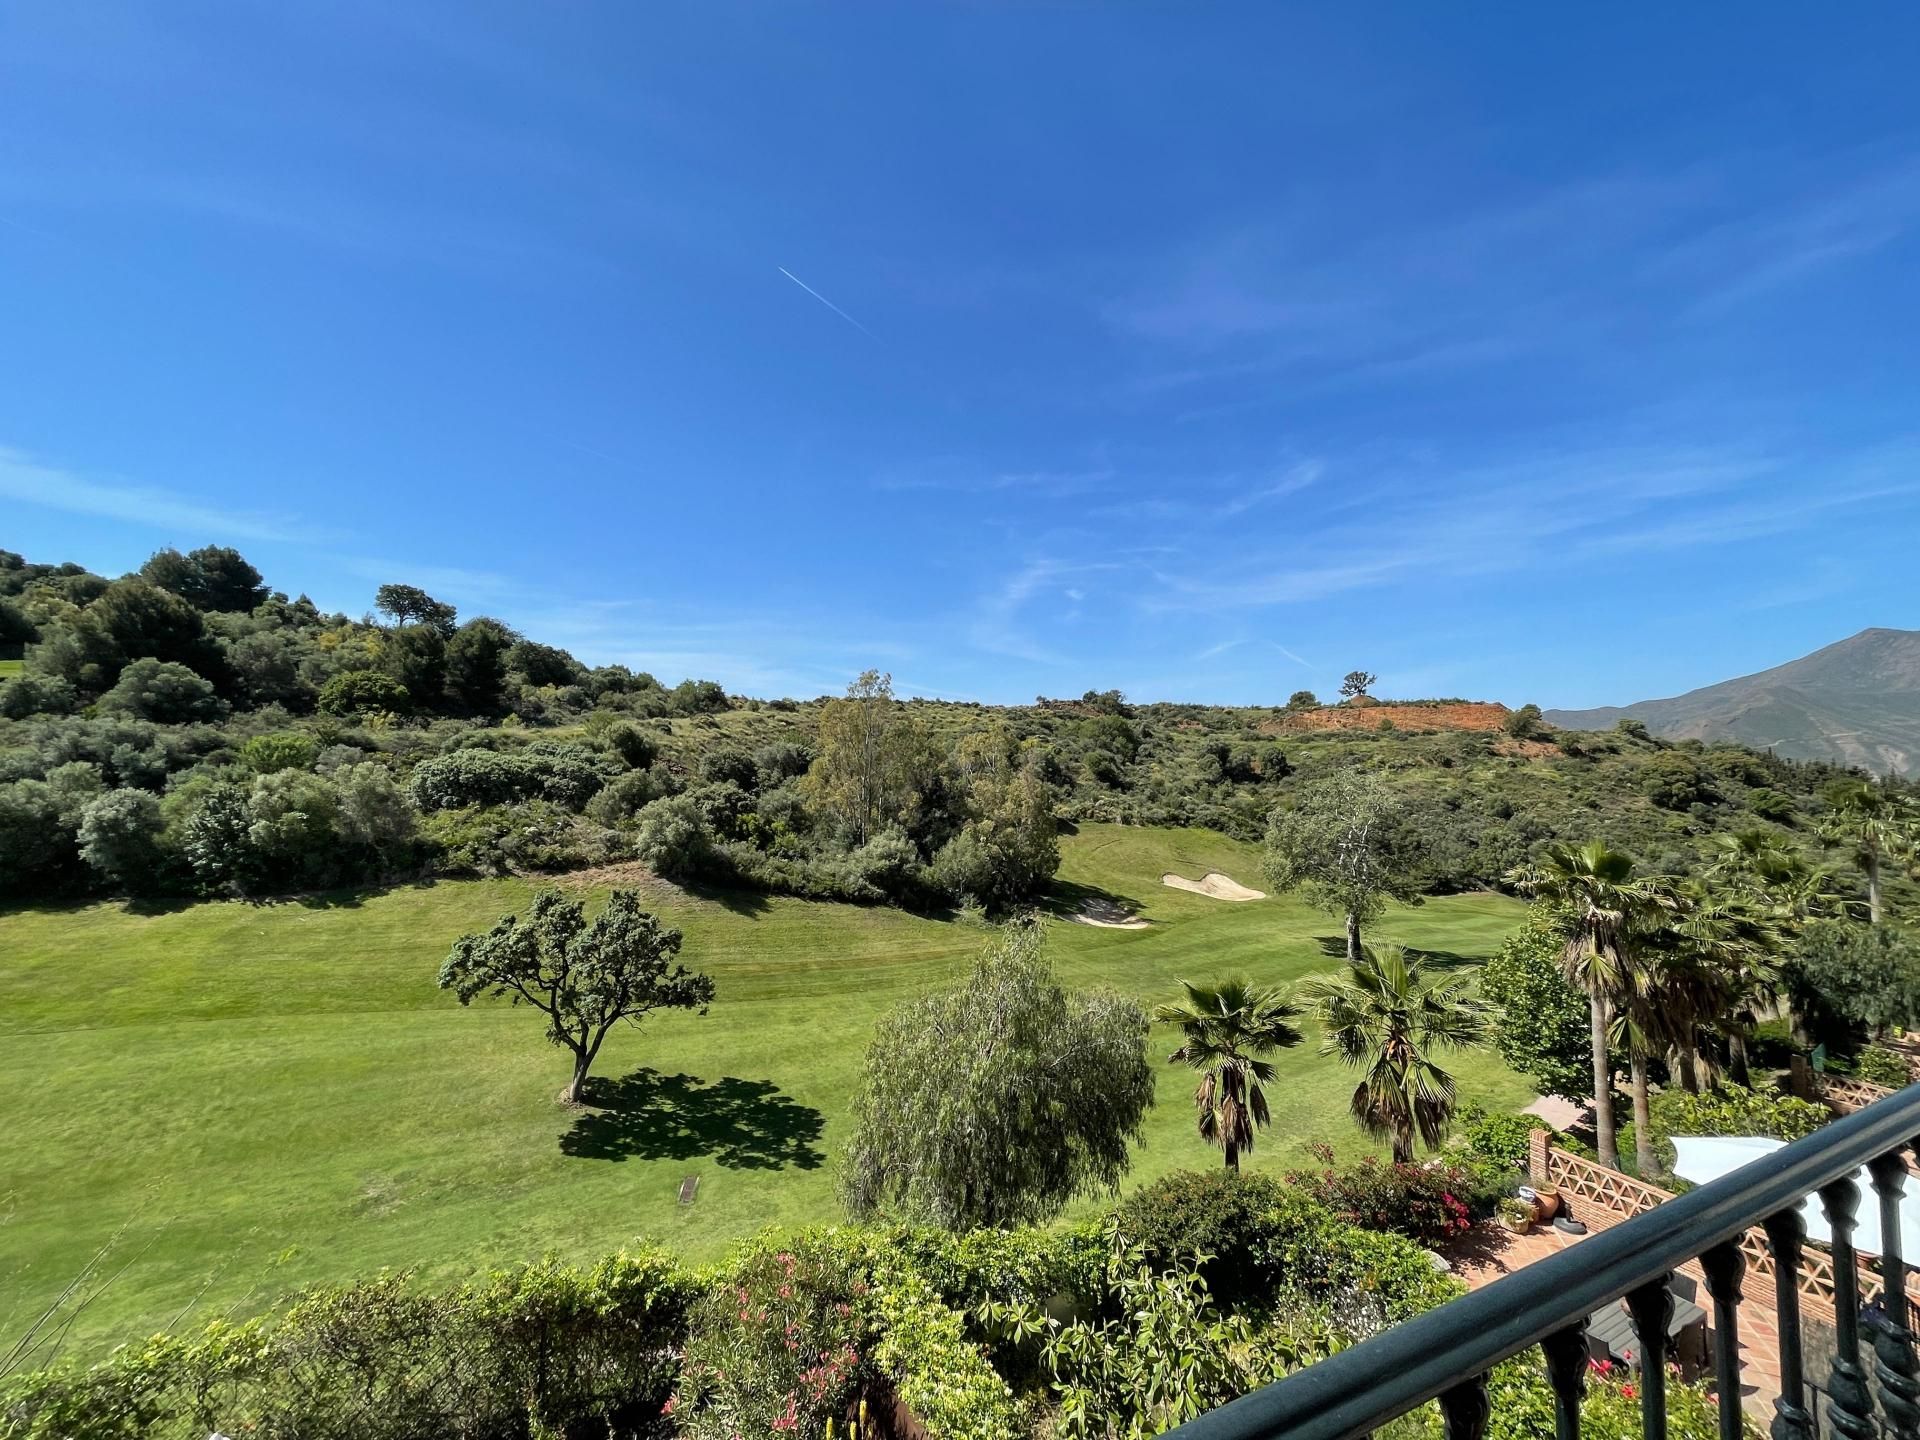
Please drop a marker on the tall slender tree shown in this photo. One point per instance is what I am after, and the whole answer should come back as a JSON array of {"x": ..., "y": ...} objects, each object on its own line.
[
  {"x": 1227, "y": 1029},
  {"x": 1874, "y": 825},
  {"x": 1608, "y": 905},
  {"x": 1388, "y": 1018}
]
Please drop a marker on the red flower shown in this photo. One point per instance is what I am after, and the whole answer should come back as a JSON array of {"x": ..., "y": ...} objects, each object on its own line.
[{"x": 1628, "y": 1391}]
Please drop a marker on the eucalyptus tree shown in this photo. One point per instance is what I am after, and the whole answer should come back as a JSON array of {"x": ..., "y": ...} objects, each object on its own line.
[
  {"x": 1389, "y": 1019},
  {"x": 1610, "y": 913},
  {"x": 1227, "y": 1029}
]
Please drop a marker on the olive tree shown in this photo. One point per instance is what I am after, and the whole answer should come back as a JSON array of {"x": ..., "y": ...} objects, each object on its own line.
[
  {"x": 995, "y": 1102},
  {"x": 584, "y": 976},
  {"x": 1346, "y": 846}
]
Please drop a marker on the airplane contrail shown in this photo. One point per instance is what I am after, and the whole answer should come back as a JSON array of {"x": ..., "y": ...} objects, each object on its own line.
[{"x": 826, "y": 302}]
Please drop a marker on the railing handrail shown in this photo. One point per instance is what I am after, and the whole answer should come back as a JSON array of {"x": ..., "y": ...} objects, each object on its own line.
[{"x": 1362, "y": 1388}]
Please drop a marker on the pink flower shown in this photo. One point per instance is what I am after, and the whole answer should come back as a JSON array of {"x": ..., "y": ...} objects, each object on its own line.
[{"x": 668, "y": 1408}]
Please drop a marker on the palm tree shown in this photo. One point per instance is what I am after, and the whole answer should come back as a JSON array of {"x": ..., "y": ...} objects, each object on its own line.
[
  {"x": 1387, "y": 1018},
  {"x": 1226, "y": 1029},
  {"x": 1874, "y": 825},
  {"x": 1734, "y": 933},
  {"x": 1609, "y": 906}
]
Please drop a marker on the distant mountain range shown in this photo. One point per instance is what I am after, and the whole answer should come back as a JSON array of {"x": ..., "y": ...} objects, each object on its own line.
[{"x": 1857, "y": 703}]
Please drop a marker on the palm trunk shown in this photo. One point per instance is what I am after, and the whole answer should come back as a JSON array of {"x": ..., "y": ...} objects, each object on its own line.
[
  {"x": 1643, "y": 1157},
  {"x": 1689, "y": 1068},
  {"x": 1353, "y": 938},
  {"x": 1602, "y": 1085},
  {"x": 1737, "y": 1053},
  {"x": 1233, "y": 1157},
  {"x": 1873, "y": 888},
  {"x": 1402, "y": 1145}
]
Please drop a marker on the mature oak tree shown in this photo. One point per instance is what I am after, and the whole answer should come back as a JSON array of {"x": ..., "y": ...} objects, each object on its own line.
[{"x": 584, "y": 976}]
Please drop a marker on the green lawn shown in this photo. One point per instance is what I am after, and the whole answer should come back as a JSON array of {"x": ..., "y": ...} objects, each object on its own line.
[
  {"x": 256, "y": 1096},
  {"x": 11, "y": 668}
]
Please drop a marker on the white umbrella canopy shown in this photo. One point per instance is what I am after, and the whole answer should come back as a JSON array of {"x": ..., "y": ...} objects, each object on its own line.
[{"x": 1701, "y": 1158}]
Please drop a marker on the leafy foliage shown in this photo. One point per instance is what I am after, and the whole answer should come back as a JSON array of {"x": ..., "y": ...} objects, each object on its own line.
[
  {"x": 1878, "y": 1065},
  {"x": 1540, "y": 1026},
  {"x": 776, "y": 1344},
  {"x": 1869, "y": 975},
  {"x": 1427, "y": 1204},
  {"x": 999, "y": 1100},
  {"x": 585, "y": 977}
]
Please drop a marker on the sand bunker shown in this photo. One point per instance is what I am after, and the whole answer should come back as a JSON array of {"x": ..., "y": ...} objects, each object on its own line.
[
  {"x": 1214, "y": 884},
  {"x": 1108, "y": 915}
]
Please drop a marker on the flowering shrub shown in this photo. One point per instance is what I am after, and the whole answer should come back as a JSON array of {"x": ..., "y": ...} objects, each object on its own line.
[
  {"x": 777, "y": 1346},
  {"x": 1423, "y": 1202}
]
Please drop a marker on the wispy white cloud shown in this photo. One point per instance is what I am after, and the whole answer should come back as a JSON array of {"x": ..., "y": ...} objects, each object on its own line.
[{"x": 177, "y": 517}]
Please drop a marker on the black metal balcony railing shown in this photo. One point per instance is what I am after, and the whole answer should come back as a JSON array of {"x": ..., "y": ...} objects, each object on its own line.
[{"x": 1446, "y": 1354}]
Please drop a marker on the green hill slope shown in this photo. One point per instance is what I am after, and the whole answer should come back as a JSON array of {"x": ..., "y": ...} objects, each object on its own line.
[{"x": 224, "y": 1084}]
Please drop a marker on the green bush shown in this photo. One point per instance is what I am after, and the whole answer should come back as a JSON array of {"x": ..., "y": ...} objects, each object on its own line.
[
  {"x": 1323, "y": 1259},
  {"x": 357, "y": 692},
  {"x": 547, "y": 1348},
  {"x": 1499, "y": 1140},
  {"x": 1878, "y": 1065},
  {"x": 1227, "y": 1217},
  {"x": 281, "y": 750},
  {"x": 938, "y": 1374},
  {"x": 1729, "y": 1110}
]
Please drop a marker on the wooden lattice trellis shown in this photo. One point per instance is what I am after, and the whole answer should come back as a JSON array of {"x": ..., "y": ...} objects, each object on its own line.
[
  {"x": 1594, "y": 1186},
  {"x": 1843, "y": 1094}
]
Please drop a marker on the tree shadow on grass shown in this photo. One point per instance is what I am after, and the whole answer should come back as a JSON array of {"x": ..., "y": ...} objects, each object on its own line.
[
  {"x": 1067, "y": 898},
  {"x": 739, "y": 900},
  {"x": 1334, "y": 947},
  {"x": 738, "y": 1124}
]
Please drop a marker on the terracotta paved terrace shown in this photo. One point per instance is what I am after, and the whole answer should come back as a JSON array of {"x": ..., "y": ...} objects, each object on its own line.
[{"x": 1491, "y": 1251}]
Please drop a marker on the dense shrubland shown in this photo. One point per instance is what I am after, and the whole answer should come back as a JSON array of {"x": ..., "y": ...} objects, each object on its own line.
[
  {"x": 183, "y": 731},
  {"x": 278, "y": 748}
]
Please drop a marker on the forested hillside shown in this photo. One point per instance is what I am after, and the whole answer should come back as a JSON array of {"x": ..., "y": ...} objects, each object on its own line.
[{"x": 185, "y": 730}]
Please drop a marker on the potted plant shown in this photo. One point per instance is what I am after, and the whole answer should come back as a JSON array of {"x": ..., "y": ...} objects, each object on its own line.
[
  {"x": 1548, "y": 1202},
  {"x": 1516, "y": 1214}
]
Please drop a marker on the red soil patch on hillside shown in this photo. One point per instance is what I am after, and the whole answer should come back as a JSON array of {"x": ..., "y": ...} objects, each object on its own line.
[{"x": 1460, "y": 715}]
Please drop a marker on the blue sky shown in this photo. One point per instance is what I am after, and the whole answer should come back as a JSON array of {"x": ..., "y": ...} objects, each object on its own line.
[{"x": 1509, "y": 351}]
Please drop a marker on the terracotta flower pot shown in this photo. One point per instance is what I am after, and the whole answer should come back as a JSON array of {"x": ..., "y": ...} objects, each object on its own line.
[{"x": 1549, "y": 1204}]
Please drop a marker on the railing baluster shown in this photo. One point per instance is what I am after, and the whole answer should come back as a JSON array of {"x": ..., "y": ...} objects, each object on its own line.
[
  {"x": 1566, "y": 1352},
  {"x": 1786, "y": 1234},
  {"x": 1894, "y": 1362},
  {"x": 1851, "y": 1410},
  {"x": 1724, "y": 1266},
  {"x": 1465, "y": 1410},
  {"x": 1652, "y": 1307}
]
